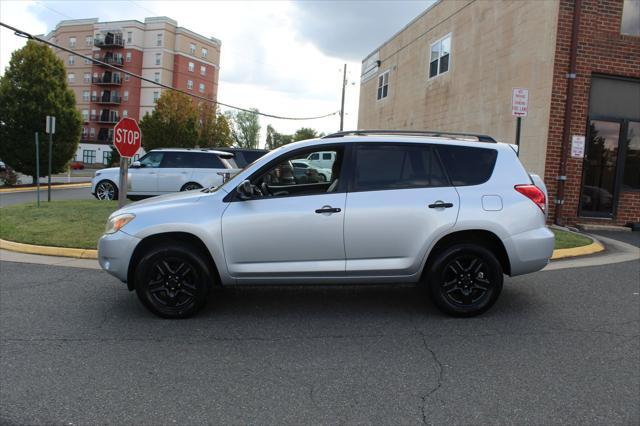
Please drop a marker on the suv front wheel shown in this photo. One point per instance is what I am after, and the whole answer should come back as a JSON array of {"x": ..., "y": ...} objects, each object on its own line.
[
  {"x": 173, "y": 280},
  {"x": 465, "y": 280}
]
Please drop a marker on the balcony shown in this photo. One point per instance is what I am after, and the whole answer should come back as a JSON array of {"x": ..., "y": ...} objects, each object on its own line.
[
  {"x": 109, "y": 40},
  {"x": 107, "y": 80},
  {"x": 107, "y": 99},
  {"x": 105, "y": 139},
  {"x": 117, "y": 61},
  {"x": 87, "y": 138},
  {"x": 110, "y": 117}
]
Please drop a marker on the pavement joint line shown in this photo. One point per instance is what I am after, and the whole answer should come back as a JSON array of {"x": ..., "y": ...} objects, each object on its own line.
[{"x": 44, "y": 187}]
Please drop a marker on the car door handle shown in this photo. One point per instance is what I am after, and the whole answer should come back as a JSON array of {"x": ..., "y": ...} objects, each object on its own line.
[
  {"x": 328, "y": 209},
  {"x": 440, "y": 205}
]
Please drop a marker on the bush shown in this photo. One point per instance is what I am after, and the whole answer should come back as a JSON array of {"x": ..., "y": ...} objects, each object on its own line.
[{"x": 8, "y": 177}]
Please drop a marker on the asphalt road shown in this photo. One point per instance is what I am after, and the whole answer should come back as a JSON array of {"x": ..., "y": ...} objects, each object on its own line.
[
  {"x": 559, "y": 347},
  {"x": 9, "y": 198}
]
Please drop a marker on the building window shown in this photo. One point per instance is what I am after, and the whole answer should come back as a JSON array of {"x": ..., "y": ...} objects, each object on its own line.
[
  {"x": 203, "y": 70},
  {"x": 128, "y": 56},
  {"x": 126, "y": 77},
  {"x": 439, "y": 61},
  {"x": 85, "y": 132},
  {"x": 156, "y": 77},
  {"x": 93, "y": 112},
  {"x": 87, "y": 77},
  {"x": 72, "y": 77},
  {"x": 201, "y": 88},
  {"x": 158, "y": 58},
  {"x": 631, "y": 177},
  {"x": 106, "y": 157},
  {"x": 192, "y": 67},
  {"x": 88, "y": 61},
  {"x": 125, "y": 96},
  {"x": 129, "y": 37},
  {"x": 85, "y": 114},
  {"x": 192, "y": 48},
  {"x": 92, "y": 132},
  {"x": 125, "y": 113},
  {"x": 159, "y": 39},
  {"x": 630, "y": 24},
  {"x": 190, "y": 84},
  {"x": 204, "y": 52},
  {"x": 72, "y": 59},
  {"x": 156, "y": 96},
  {"x": 85, "y": 97},
  {"x": 383, "y": 85},
  {"x": 72, "y": 42},
  {"x": 88, "y": 156}
]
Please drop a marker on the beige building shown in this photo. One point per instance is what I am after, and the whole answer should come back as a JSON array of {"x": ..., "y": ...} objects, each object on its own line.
[
  {"x": 157, "y": 49},
  {"x": 454, "y": 67}
]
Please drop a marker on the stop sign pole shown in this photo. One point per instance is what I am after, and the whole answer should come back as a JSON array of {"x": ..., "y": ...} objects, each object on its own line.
[{"x": 126, "y": 139}]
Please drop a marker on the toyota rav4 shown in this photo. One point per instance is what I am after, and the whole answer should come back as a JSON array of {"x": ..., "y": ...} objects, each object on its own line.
[{"x": 455, "y": 212}]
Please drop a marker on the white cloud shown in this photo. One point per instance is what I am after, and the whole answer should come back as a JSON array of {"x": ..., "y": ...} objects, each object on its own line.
[{"x": 270, "y": 59}]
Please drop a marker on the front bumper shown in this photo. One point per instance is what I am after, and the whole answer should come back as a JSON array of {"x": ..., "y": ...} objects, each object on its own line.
[
  {"x": 530, "y": 251},
  {"x": 115, "y": 252}
]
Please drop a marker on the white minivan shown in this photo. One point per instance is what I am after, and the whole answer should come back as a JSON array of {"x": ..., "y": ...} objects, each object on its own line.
[
  {"x": 322, "y": 160},
  {"x": 163, "y": 171}
]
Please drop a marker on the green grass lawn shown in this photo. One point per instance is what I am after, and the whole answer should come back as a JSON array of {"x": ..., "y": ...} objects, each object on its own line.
[
  {"x": 72, "y": 223},
  {"x": 566, "y": 239}
]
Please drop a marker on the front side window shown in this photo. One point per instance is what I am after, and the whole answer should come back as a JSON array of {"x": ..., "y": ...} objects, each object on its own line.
[
  {"x": 383, "y": 85},
  {"x": 630, "y": 24},
  {"x": 151, "y": 160},
  {"x": 439, "y": 57},
  {"x": 286, "y": 179},
  {"x": 387, "y": 167}
]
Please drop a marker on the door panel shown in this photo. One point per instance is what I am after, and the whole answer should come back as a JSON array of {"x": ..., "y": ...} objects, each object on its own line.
[
  {"x": 388, "y": 232},
  {"x": 284, "y": 237},
  {"x": 143, "y": 180},
  {"x": 172, "y": 179}
]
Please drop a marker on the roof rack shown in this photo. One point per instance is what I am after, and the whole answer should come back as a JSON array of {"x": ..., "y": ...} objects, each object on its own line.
[{"x": 435, "y": 133}]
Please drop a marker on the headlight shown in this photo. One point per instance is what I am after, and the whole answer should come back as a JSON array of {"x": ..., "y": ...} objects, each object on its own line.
[{"x": 117, "y": 222}]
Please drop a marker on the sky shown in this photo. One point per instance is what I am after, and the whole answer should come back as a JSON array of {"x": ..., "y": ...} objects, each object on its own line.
[{"x": 284, "y": 58}]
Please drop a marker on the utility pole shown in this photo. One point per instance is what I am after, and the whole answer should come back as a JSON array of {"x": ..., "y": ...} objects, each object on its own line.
[{"x": 344, "y": 85}]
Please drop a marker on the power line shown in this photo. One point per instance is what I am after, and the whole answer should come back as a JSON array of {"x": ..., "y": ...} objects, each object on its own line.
[
  {"x": 21, "y": 33},
  {"x": 41, "y": 4}
]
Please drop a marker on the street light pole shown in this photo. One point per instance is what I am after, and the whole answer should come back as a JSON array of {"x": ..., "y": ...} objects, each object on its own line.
[{"x": 344, "y": 85}]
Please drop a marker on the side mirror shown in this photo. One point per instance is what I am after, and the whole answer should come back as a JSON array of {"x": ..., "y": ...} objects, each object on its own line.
[
  {"x": 135, "y": 165},
  {"x": 245, "y": 190}
]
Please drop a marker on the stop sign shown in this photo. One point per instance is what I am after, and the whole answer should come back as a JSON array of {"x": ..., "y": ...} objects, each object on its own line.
[{"x": 127, "y": 137}]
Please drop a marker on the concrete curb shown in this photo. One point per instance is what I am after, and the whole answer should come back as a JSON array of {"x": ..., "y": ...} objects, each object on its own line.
[
  {"x": 592, "y": 248},
  {"x": 48, "y": 250},
  {"x": 44, "y": 187}
]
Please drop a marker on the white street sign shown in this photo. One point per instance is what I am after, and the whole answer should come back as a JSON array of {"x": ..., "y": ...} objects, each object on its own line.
[
  {"x": 51, "y": 125},
  {"x": 520, "y": 102},
  {"x": 577, "y": 146}
]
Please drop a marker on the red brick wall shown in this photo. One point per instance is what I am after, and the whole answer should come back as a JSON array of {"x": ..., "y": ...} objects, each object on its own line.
[
  {"x": 181, "y": 75},
  {"x": 602, "y": 50}
]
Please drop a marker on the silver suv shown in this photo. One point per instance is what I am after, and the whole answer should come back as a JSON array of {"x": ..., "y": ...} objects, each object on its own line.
[{"x": 452, "y": 211}]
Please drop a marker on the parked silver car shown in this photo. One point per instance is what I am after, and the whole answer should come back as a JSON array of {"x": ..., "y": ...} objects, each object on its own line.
[
  {"x": 454, "y": 212},
  {"x": 163, "y": 171}
]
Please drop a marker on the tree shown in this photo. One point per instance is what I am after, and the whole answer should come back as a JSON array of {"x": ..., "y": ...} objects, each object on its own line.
[
  {"x": 275, "y": 139},
  {"x": 34, "y": 86},
  {"x": 245, "y": 128},
  {"x": 214, "y": 130},
  {"x": 174, "y": 123},
  {"x": 304, "y": 133}
]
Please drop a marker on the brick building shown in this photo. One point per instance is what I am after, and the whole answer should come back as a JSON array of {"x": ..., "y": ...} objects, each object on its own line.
[
  {"x": 454, "y": 68},
  {"x": 157, "y": 49}
]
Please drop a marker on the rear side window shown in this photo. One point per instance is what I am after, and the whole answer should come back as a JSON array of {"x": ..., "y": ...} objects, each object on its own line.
[
  {"x": 468, "y": 165},
  {"x": 380, "y": 167}
]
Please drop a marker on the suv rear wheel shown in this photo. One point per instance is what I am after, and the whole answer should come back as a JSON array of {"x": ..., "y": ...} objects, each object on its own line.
[
  {"x": 106, "y": 190},
  {"x": 191, "y": 186},
  {"x": 465, "y": 280},
  {"x": 173, "y": 280}
]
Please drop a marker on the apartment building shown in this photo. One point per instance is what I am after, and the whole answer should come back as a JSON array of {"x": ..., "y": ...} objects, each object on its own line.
[
  {"x": 157, "y": 49},
  {"x": 454, "y": 68}
]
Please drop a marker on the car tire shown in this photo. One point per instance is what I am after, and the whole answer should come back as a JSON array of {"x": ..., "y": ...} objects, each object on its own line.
[
  {"x": 191, "y": 186},
  {"x": 106, "y": 190},
  {"x": 173, "y": 280},
  {"x": 465, "y": 280}
]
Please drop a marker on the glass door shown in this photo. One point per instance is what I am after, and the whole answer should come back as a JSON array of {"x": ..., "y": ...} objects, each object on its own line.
[{"x": 600, "y": 169}]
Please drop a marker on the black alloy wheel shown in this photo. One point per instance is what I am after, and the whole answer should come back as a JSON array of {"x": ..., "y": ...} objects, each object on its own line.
[
  {"x": 173, "y": 280},
  {"x": 465, "y": 280},
  {"x": 191, "y": 186}
]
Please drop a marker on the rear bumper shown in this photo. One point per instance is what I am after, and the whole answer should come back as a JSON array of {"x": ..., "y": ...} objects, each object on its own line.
[
  {"x": 530, "y": 251},
  {"x": 114, "y": 253}
]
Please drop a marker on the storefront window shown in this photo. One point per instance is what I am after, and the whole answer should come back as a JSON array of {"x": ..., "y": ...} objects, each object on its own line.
[{"x": 631, "y": 177}]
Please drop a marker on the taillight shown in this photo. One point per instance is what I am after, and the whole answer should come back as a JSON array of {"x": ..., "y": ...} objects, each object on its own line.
[{"x": 533, "y": 193}]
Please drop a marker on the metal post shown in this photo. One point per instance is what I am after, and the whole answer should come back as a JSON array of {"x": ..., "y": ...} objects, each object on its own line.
[
  {"x": 344, "y": 84},
  {"x": 518, "y": 124},
  {"x": 122, "y": 181},
  {"x": 37, "y": 171},
  {"x": 50, "y": 154}
]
